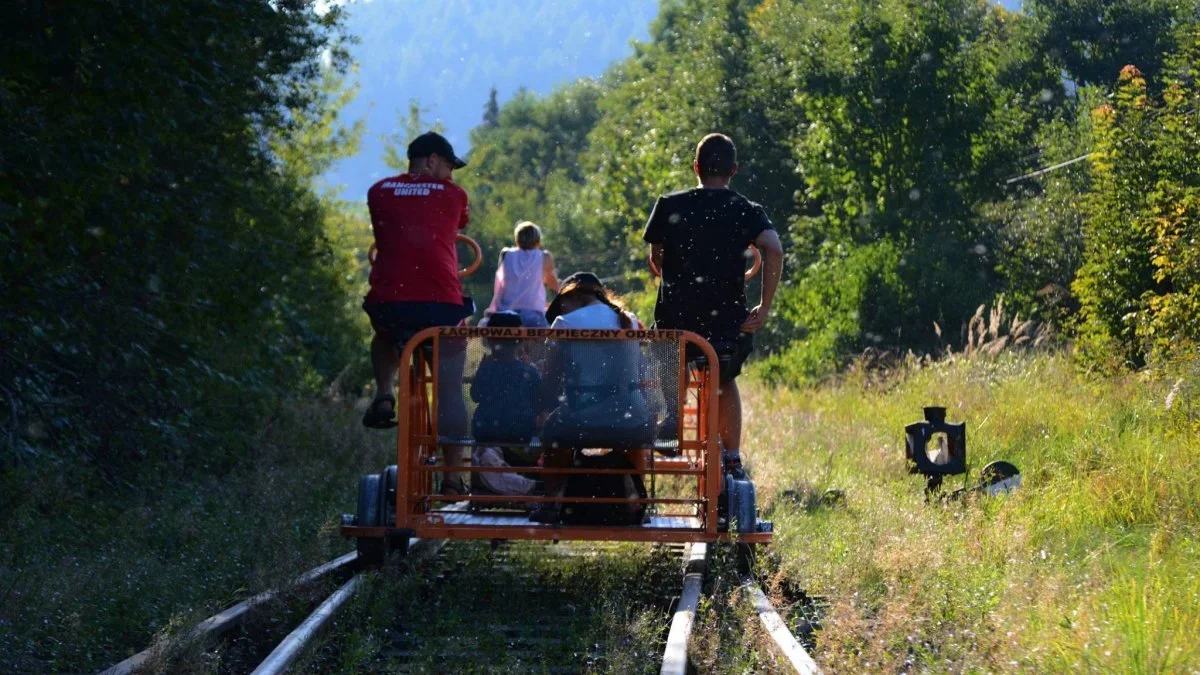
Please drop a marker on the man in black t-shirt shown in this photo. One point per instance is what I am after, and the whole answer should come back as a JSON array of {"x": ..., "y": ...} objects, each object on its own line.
[{"x": 698, "y": 240}]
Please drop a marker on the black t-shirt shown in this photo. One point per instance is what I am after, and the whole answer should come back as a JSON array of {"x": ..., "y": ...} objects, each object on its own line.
[{"x": 704, "y": 234}]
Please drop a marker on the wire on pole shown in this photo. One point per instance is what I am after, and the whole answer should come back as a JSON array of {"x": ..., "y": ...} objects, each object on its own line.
[{"x": 1042, "y": 172}]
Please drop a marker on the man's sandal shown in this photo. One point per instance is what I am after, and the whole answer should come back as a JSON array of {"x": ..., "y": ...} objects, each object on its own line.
[{"x": 381, "y": 414}]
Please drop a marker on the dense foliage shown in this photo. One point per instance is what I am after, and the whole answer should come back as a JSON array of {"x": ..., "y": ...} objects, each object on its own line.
[
  {"x": 1140, "y": 281},
  {"x": 168, "y": 258},
  {"x": 883, "y": 137},
  {"x": 166, "y": 266}
]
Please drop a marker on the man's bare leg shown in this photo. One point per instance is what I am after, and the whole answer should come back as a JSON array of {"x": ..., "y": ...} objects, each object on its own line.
[
  {"x": 729, "y": 416},
  {"x": 729, "y": 426},
  {"x": 384, "y": 362}
]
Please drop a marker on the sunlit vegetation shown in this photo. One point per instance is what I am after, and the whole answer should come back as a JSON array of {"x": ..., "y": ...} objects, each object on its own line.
[
  {"x": 1091, "y": 565},
  {"x": 181, "y": 344}
]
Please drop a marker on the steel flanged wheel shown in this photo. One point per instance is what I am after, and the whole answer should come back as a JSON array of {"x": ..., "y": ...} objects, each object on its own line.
[{"x": 371, "y": 550}]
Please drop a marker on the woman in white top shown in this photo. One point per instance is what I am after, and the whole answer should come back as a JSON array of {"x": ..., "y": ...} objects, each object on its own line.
[
  {"x": 598, "y": 383},
  {"x": 522, "y": 277}
]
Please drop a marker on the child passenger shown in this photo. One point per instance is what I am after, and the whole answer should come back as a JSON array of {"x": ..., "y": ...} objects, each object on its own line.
[
  {"x": 522, "y": 277},
  {"x": 508, "y": 391}
]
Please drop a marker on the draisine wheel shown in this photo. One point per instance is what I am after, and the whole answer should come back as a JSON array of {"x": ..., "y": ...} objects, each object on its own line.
[{"x": 371, "y": 550}]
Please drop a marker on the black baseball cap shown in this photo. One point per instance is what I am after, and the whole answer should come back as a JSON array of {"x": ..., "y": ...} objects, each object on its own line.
[
  {"x": 433, "y": 143},
  {"x": 505, "y": 319}
]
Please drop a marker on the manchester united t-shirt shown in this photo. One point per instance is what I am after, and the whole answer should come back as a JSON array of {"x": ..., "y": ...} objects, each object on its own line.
[{"x": 416, "y": 218}]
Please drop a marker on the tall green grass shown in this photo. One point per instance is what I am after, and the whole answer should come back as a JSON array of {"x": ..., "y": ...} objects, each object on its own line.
[
  {"x": 1093, "y": 564},
  {"x": 95, "y": 568}
]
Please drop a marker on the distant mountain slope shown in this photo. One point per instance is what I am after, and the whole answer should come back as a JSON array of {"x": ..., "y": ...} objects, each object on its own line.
[{"x": 449, "y": 54}]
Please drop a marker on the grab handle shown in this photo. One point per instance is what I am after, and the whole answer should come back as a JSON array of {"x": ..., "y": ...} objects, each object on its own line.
[{"x": 463, "y": 273}]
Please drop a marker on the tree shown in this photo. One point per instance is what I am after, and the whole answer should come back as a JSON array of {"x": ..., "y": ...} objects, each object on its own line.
[
  {"x": 162, "y": 255},
  {"x": 411, "y": 125},
  {"x": 491, "y": 111},
  {"x": 1094, "y": 39},
  {"x": 1139, "y": 285},
  {"x": 527, "y": 168},
  {"x": 914, "y": 113}
]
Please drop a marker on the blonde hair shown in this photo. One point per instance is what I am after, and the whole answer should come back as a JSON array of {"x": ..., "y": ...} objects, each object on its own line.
[{"x": 527, "y": 235}]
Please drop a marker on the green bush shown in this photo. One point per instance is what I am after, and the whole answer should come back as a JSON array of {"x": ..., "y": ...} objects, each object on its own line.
[
  {"x": 165, "y": 268},
  {"x": 849, "y": 289},
  {"x": 1139, "y": 286}
]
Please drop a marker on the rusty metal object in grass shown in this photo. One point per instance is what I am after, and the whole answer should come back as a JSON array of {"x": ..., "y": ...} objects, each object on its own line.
[
  {"x": 948, "y": 454},
  {"x": 936, "y": 448}
]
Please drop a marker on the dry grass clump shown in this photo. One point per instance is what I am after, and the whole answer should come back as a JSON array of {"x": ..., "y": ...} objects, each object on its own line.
[{"x": 990, "y": 332}]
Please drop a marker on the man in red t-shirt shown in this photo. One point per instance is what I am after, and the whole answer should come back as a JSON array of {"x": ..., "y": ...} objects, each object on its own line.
[{"x": 414, "y": 280}]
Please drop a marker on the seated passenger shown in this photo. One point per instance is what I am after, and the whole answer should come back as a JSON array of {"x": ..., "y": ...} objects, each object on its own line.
[
  {"x": 601, "y": 404},
  {"x": 522, "y": 277},
  {"x": 508, "y": 391}
]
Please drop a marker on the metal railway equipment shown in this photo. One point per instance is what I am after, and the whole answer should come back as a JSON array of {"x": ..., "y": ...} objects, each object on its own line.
[
  {"x": 948, "y": 456},
  {"x": 680, "y": 373},
  {"x": 460, "y": 238}
]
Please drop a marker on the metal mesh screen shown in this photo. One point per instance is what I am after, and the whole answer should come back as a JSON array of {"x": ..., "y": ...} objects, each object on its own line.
[{"x": 532, "y": 388}]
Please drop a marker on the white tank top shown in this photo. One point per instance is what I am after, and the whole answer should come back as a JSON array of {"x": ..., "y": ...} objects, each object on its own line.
[{"x": 521, "y": 280}]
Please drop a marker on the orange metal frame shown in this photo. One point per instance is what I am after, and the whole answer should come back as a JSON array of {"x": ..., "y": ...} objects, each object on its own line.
[{"x": 417, "y": 451}]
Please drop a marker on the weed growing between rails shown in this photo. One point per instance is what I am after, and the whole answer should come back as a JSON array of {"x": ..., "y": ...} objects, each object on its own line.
[
  {"x": 1094, "y": 563},
  {"x": 93, "y": 569},
  {"x": 525, "y": 607},
  {"x": 727, "y": 636}
]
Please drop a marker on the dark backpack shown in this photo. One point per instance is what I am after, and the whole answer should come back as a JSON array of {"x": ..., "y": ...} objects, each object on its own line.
[{"x": 626, "y": 486}]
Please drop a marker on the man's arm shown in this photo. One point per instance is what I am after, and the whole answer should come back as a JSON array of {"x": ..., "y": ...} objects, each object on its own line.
[
  {"x": 655, "y": 235},
  {"x": 549, "y": 273},
  {"x": 772, "y": 253},
  {"x": 656, "y": 258}
]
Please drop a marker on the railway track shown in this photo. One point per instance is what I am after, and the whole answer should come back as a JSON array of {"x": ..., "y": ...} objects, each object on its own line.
[{"x": 532, "y": 606}]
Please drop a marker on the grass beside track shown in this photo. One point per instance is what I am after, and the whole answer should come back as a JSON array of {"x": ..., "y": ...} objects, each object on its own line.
[
  {"x": 93, "y": 570},
  {"x": 1094, "y": 564}
]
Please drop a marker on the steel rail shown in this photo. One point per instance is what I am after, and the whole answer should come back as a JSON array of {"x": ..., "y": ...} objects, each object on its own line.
[
  {"x": 292, "y": 646},
  {"x": 782, "y": 639},
  {"x": 227, "y": 619},
  {"x": 289, "y": 650},
  {"x": 675, "y": 655}
]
